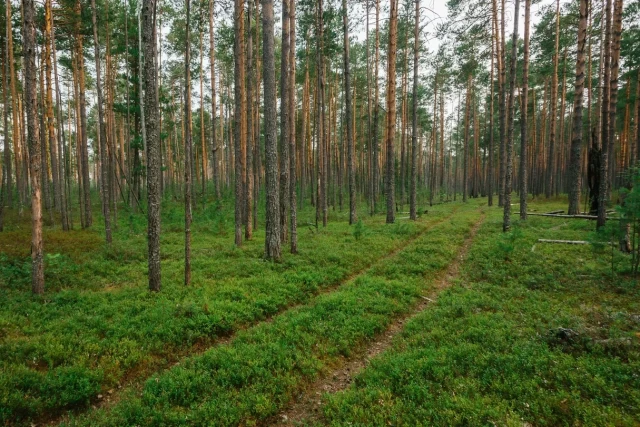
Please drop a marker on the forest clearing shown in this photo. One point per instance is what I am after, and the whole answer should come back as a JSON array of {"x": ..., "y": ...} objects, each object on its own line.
[{"x": 320, "y": 212}]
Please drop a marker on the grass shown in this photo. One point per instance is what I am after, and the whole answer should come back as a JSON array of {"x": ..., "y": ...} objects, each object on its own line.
[
  {"x": 98, "y": 328},
  {"x": 533, "y": 334},
  {"x": 248, "y": 380}
]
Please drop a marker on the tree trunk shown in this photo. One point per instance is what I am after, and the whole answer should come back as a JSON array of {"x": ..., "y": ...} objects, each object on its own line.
[
  {"x": 104, "y": 169},
  {"x": 347, "y": 93},
  {"x": 605, "y": 119},
  {"x": 524, "y": 145},
  {"x": 272, "y": 249},
  {"x": 84, "y": 150},
  {"x": 248, "y": 227},
  {"x": 506, "y": 225},
  {"x": 285, "y": 121},
  {"x": 575, "y": 164},
  {"x": 551, "y": 161},
  {"x": 391, "y": 110},
  {"x": 214, "y": 141},
  {"x": 414, "y": 119},
  {"x": 292, "y": 128},
  {"x": 188, "y": 165},
  {"x": 33, "y": 140},
  {"x": 153, "y": 143},
  {"x": 239, "y": 118}
]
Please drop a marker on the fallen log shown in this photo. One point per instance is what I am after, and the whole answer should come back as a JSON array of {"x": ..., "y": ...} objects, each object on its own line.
[
  {"x": 555, "y": 212},
  {"x": 590, "y": 217},
  {"x": 566, "y": 242}
]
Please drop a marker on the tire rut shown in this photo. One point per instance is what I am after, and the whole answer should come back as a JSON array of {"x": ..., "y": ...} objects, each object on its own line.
[
  {"x": 134, "y": 381},
  {"x": 307, "y": 407}
]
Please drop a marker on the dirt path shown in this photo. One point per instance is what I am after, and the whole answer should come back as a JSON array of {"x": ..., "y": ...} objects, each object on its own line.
[
  {"x": 307, "y": 407},
  {"x": 135, "y": 379}
]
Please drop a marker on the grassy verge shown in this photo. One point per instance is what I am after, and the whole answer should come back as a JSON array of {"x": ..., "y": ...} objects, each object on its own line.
[
  {"x": 97, "y": 327},
  {"x": 534, "y": 334},
  {"x": 257, "y": 373}
]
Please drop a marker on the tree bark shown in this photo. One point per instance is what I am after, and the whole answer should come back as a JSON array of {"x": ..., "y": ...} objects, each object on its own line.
[
  {"x": 272, "y": 249},
  {"x": 285, "y": 121},
  {"x": 153, "y": 143},
  {"x": 348, "y": 109},
  {"x": 604, "y": 119},
  {"x": 188, "y": 165},
  {"x": 524, "y": 145},
  {"x": 414, "y": 119},
  {"x": 104, "y": 169},
  {"x": 391, "y": 110},
  {"x": 292, "y": 128},
  {"x": 551, "y": 162},
  {"x": 33, "y": 140},
  {"x": 575, "y": 164},
  {"x": 239, "y": 117},
  {"x": 506, "y": 225}
]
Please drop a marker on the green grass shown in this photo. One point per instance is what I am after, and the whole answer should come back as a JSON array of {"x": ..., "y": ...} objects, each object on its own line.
[
  {"x": 496, "y": 349},
  {"x": 97, "y": 326},
  {"x": 248, "y": 380}
]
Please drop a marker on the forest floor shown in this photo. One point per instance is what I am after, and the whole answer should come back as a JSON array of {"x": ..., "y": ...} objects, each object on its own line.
[{"x": 442, "y": 321}]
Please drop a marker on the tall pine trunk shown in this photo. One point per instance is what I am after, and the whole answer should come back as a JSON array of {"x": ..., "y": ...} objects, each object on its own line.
[
  {"x": 506, "y": 224},
  {"x": 348, "y": 110},
  {"x": 575, "y": 164},
  {"x": 153, "y": 143},
  {"x": 33, "y": 140},
  {"x": 272, "y": 249},
  {"x": 524, "y": 145},
  {"x": 414, "y": 119},
  {"x": 391, "y": 110}
]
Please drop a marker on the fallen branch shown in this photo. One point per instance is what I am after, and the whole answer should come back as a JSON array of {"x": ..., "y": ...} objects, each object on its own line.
[
  {"x": 555, "y": 212},
  {"x": 590, "y": 217},
  {"x": 568, "y": 242}
]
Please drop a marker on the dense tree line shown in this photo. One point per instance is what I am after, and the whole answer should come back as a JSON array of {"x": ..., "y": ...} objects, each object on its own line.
[{"x": 122, "y": 101}]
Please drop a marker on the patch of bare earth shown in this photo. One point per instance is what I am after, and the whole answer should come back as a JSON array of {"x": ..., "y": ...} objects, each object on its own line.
[{"x": 308, "y": 404}]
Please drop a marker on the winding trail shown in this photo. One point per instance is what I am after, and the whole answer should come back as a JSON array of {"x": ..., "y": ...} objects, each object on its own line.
[
  {"x": 306, "y": 409},
  {"x": 136, "y": 378}
]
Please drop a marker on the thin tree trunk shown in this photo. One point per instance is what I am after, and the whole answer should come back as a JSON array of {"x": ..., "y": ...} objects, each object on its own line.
[
  {"x": 214, "y": 142},
  {"x": 605, "y": 119},
  {"x": 188, "y": 165},
  {"x": 347, "y": 93},
  {"x": 29, "y": 58},
  {"x": 272, "y": 249},
  {"x": 524, "y": 145},
  {"x": 239, "y": 117},
  {"x": 575, "y": 184},
  {"x": 248, "y": 228},
  {"x": 506, "y": 225},
  {"x": 285, "y": 121},
  {"x": 104, "y": 169},
  {"x": 292, "y": 128},
  {"x": 391, "y": 109},
  {"x": 551, "y": 162},
  {"x": 414, "y": 113},
  {"x": 153, "y": 143}
]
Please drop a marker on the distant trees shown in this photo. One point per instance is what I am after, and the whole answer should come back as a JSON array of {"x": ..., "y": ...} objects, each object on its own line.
[{"x": 122, "y": 128}]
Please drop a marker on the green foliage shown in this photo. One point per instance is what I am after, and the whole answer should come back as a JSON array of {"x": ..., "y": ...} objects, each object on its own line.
[
  {"x": 497, "y": 352},
  {"x": 359, "y": 230}
]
